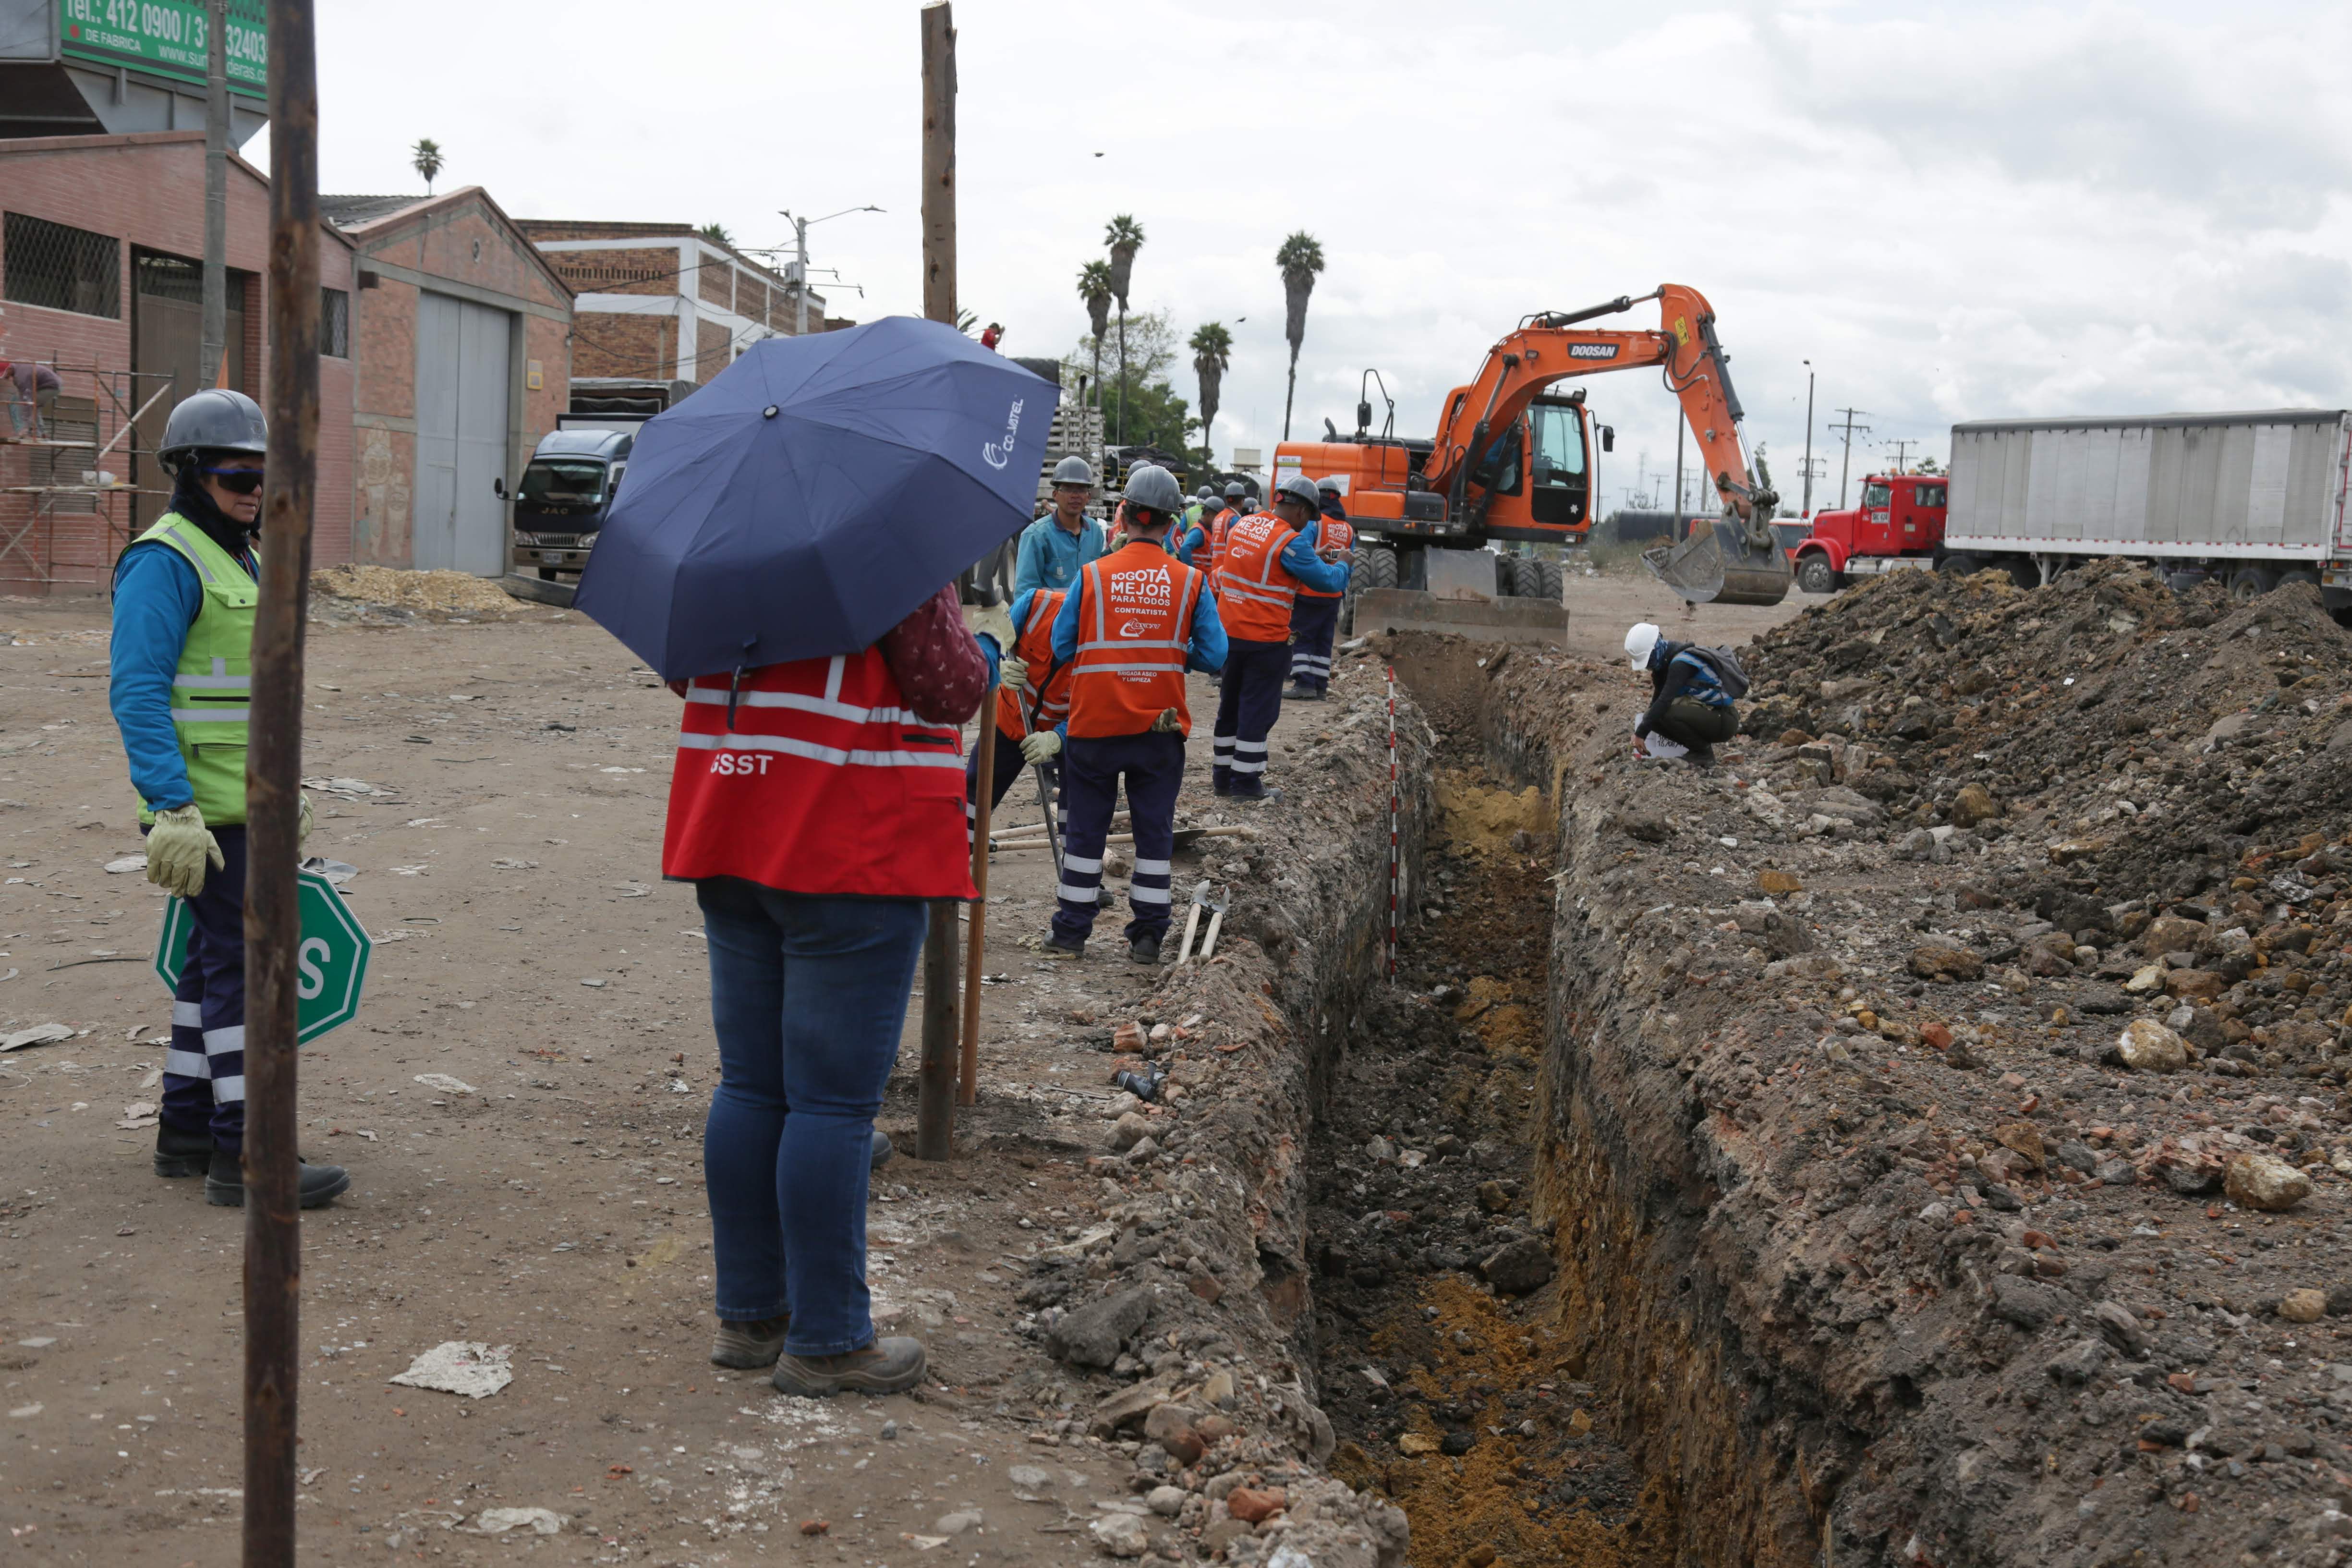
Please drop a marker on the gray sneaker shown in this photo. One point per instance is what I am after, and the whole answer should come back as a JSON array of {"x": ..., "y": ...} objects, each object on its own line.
[
  {"x": 749, "y": 1346},
  {"x": 886, "y": 1366}
]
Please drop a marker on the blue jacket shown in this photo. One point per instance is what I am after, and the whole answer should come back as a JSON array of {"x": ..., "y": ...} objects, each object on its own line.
[
  {"x": 1326, "y": 576},
  {"x": 1206, "y": 653},
  {"x": 1050, "y": 558},
  {"x": 156, "y": 599}
]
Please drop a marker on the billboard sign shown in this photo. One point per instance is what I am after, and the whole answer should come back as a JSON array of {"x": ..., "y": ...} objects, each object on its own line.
[{"x": 167, "y": 38}]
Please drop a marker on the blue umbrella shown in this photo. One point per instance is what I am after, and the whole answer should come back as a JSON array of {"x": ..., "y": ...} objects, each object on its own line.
[{"x": 816, "y": 492}]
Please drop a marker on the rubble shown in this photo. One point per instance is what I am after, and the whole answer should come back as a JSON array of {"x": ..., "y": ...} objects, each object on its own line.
[{"x": 443, "y": 593}]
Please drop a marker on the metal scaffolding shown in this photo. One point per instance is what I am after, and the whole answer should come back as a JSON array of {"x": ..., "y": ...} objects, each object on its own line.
[{"x": 59, "y": 479}]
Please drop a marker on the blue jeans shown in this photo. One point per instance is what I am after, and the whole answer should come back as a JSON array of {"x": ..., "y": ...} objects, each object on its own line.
[{"x": 807, "y": 996}]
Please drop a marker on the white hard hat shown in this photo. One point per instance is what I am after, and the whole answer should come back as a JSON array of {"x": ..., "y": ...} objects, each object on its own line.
[{"x": 1640, "y": 642}]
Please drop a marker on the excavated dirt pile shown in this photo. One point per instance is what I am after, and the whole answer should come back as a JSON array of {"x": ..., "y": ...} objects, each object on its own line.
[{"x": 1942, "y": 1141}]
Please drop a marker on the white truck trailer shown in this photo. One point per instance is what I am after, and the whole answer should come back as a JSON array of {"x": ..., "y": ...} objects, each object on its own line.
[{"x": 2249, "y": 499}]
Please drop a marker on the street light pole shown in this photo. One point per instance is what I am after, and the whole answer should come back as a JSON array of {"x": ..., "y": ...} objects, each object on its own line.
[
  {"x": 1809, "y": 438},
  {"x": 213, "y": 319},
  {"x": 800, "y": 262}
]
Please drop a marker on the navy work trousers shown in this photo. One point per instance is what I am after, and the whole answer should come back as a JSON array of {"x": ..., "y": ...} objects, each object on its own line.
[
  {"x": 1009, "y": 766},
  {"x": 1153, "y": 767},
  {"x": 1247, "y": 707},
  {"x": 203, "y": 1068},
  {"x": 1314, "y": 621}
]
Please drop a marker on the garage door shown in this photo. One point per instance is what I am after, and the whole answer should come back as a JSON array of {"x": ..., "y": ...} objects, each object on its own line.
[{"x": 461, "y": 434}]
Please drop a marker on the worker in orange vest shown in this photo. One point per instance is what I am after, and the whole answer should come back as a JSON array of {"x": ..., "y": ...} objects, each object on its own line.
[
  {"x": 1203, "y": 544},
  {"x": 1268, "y": 557},
  {"x": 1032, "y": 696},
  {"x": 1315, "y": 617},
  {"x": 1135, "y": 621}
]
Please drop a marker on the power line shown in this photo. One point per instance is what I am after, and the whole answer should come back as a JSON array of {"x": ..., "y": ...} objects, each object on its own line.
[
  {"x": 1849, "y": 429},
  {"x": 1903, "y": 451}
]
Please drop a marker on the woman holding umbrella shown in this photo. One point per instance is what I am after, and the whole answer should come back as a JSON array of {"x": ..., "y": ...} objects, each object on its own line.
[{"x": 786, "y": 554}]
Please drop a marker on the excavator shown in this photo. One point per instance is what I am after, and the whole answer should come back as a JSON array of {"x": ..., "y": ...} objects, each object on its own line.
[{"x": 1511, "y": 461}]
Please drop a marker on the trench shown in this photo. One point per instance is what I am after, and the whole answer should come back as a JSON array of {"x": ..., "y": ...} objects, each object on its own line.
[{"x": 1488, "y": 1334}]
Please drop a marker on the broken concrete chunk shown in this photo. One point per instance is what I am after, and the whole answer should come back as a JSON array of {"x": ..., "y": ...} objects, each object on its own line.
[
  {"x": 1518, "y": 1267},
  {"x": 2306, "y": 1306},
  {"x": 461, "y": 1366},
  {"x": 2146, "y": 1046},
  {"x": 38, "y": 1034},
  {"x": 2264, "y": 1181},
  {"x": 1092, "y": 1335},
  {"x": 1122, "y": 1535},
  {"x": 445, "y": 1083},
  {"x": 2024, "y": 1302},
  {"x": 2121, "y": 1328},
  {"x": 499, "y": 1521},
  {"x": 1973, "y": 805},
  {"x": 1130, "y": 1130},
  {"x": 1944, "y": 964}
]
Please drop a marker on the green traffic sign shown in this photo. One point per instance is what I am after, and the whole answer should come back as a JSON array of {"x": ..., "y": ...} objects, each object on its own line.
[{"x": 330, "y": 967}]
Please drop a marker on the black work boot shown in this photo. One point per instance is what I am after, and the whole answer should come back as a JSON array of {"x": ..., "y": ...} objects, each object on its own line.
[
  {"x": 878, "y": 1154},
  {"x": 179, "y": 1153},
  {"x": 886, "y": 1366},
  {"x": 225, "y": 1183},
  {"x": 1144, "y": 949},
  {"x": 1702, "y": 756}
]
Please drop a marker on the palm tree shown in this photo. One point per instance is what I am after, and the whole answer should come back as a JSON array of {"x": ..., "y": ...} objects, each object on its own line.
[
  {"x": 1124, "y": 236},
  {"x": 425, "y": 157},
  {"x": 716, "y": 233},
  {"x": 1212, "y": 354},
  {"x": 1300, "y": 259},
  {"x": 1093, "y": 287}
]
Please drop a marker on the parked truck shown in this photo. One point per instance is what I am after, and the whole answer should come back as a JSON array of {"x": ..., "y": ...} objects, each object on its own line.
[
  {"x": 1898, "y": 526},
  {"x": 566, "y": 492},
  {"x": 2251, "y": 500}
]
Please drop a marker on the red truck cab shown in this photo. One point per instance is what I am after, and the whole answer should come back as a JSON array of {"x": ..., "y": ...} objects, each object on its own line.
[{"x": 1898, "y": 525}]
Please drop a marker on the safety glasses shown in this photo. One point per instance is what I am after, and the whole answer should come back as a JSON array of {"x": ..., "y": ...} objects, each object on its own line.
[{"x": 236, "y": 482}]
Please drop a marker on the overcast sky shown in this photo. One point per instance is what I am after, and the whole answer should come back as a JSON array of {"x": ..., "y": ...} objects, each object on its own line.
[{"x": 1955, "y": 211}]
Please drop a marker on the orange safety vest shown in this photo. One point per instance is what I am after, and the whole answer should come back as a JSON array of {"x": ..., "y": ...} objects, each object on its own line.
[
  {"x": 1213, "y": 541},
  {"x": 1042, "y": 703},
  {"x": 812, "y": 777},
  {"x": 1255, "y": 589},
  {"x": 1330, "y": 534},
  {"x": 1135, "y": 624}
]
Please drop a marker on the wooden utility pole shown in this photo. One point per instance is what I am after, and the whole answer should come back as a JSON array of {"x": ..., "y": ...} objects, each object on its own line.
[
  {"x": 273, "y": 919},
  {"x": 968, "y": 1077},
  {"x": 936, "y": 1081},
  {"x": 212, "y": 321}
]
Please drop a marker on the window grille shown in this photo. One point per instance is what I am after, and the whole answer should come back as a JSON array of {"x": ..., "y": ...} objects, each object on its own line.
[
  {"x": 334, "y": 323},
  {"x": 61, "y": 267}
]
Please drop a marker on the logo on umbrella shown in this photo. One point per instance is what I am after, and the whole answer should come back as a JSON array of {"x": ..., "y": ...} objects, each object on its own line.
[{"x": 998, "y": 456}]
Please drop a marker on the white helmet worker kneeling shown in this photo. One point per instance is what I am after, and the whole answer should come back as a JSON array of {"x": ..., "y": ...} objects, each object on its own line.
[{"x": 1693, "y": 692}]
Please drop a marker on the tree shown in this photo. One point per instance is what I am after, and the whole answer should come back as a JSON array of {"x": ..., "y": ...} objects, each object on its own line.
[
  {"x": 1300, "y": 260},
  {"x": 1093, "y": 287},
  {"x": 1213, "y": 354},
  {"x": 966, "y": 322},
  {"x": 426, "y": 158},
  {"x": 1124, "y": 236},
  {"x": 716, "y": 233},
  {"x": 1156, "y": 415}
]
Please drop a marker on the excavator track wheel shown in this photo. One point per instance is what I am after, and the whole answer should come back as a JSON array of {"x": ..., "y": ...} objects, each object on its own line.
[{"x": 1550, "y": 582}]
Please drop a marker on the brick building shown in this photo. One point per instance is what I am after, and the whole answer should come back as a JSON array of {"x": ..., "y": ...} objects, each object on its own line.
[
  {"x": 660, "y": 309},
  {"x": 462, "y": 354},
  {"x": 100, "y": 237}
]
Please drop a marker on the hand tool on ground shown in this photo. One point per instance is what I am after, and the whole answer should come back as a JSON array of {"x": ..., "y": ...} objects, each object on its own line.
[
  {"x": 1185, "y": 838},
  {"x": 1191, "y": 922},
  {"x": 1216, "y": 902}
]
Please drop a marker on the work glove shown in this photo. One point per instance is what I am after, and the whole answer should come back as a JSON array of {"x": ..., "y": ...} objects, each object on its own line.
[
  {"x": 1040, "y": 746},
  {"x": 305, "y": 819},
  {"x": 1012, "y": 674},
  {"x": 994, "y": 621},
  {"x": 177, "y": 847}
]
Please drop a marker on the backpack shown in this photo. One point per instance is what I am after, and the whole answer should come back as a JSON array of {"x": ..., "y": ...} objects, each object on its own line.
[{"x": 1725, "y": 664}]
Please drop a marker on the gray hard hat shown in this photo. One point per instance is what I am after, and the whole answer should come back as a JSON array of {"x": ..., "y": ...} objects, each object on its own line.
[
  {"x": 1300, "y": 488},
  {"x": 1074, "y": 470},
  {"x": 1236, "y": 490},
  {"x": 1204, "y": 493},
  {"x": 213, "y": 420},
  {"x": 1148, "y": 485}
]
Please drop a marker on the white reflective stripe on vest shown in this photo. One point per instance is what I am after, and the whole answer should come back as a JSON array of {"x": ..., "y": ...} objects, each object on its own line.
[
  {"x": 1238, "y": 589},
  {"x": 736, "y": 741},
  {"x": 801, "y": 702},
  {"x": 1123, "y": 645},
  {"x": 1129, "y": 670},
  {"x": 192, "y": 553}
]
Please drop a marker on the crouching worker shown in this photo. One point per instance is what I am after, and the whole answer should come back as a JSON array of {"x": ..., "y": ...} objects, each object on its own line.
[
  {"x": 1692, "y": 695},
  {"x": 1033, "y": 699},
  {"x": 812, "y": 805}
]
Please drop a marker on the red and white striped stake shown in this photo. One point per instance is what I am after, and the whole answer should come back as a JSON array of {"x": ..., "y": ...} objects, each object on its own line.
[{"x": 1393, "y": 851}]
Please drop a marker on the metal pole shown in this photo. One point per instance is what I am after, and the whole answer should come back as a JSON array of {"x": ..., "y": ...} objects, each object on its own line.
[
  {"x": 800, "y": 235},
  {"x": 968, "y": 1078},
  {"x": 1809, "y": 440},
  {"x": 1674, "y": 527},
  {"x": 214, "y": 322},
  {"x": 273, "y": 1236},
  {"x": 936, "y": 1081}
]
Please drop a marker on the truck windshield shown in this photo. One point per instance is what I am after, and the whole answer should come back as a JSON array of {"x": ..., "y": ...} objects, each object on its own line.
[
  {"x": 1877, "y": 494},
  {"x": 1559, "y": 444},
  {"x": 563, "y": 482}
]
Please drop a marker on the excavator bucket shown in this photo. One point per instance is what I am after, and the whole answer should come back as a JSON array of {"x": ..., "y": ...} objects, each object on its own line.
[{"x": 1719, "y": 565}]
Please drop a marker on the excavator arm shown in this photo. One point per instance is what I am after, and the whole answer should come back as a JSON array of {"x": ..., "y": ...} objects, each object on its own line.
[{"x": 1553, "y": 347}]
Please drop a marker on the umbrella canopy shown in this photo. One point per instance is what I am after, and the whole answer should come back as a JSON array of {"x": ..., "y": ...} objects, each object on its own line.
[{"x": 815, "y": 493}]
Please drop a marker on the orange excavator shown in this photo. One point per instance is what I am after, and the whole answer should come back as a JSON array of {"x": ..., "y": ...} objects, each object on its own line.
[{"x": 1512, "y": 462}]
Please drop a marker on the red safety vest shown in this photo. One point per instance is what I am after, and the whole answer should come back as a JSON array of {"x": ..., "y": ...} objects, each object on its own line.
[
  {"x": 1255, "y": 589},
  {"x": 1135, "y": 622},
  {"x": 1330, "y": 534},
  {"x": 1042, "y": 703},
  {"x": 819, "y": 781}
]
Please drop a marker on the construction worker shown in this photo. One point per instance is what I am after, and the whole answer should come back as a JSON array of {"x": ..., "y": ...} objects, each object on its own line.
[
  {"x": 1315, "y": 617},
  {"x": 1033, "y": 694},
  {"x": 1057, "y": 545},
  {"x": 1689, "y": 705},
  {"x": 1267, "y": 557},
  {"x": 1203, "y": 544},
  {"x": 1135, "y": 621},
  {"x": 184, "y": 594}
]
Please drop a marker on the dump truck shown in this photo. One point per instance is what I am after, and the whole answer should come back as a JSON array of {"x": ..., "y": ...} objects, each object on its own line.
[
  {"x": 2251, "y": 500},
  {"x": 1899, "y": 526},
  {"x": 1511, "y": 462}
]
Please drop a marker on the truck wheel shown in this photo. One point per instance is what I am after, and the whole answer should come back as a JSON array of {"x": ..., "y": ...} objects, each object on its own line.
[
  {"x": 2248, "y": 584},
  {"x": 1549, "y": 583},
  {"x": 1376, "y": 566},
  {"x": 1960, "y": 565},
  {"x": 1815, "y": 575},
  {"x": 2297, "y": 574},
  {"x": 2023, "y": 571}
]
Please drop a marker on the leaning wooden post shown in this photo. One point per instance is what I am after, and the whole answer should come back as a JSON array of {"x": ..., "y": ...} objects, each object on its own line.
[
  {"x": 936, "y": 1082},
  {"x": 273, "y": 920}
]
